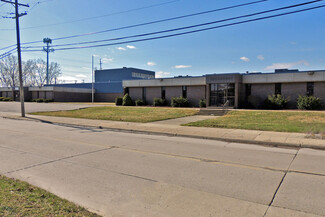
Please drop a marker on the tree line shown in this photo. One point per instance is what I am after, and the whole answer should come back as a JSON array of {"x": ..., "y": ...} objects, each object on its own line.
[{"x": 34, "y": 72}]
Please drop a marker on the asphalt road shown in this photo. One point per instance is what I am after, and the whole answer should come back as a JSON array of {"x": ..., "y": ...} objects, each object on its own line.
[{"x": 136, "y": 175}]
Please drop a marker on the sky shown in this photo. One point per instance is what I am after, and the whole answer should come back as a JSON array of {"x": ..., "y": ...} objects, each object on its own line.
[{"x": 295, "y": 41}]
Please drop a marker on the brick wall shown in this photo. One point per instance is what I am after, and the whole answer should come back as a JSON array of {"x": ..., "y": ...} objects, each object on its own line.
[
  {"x": 135, "y": 93},
  {"x": 260, "y": 93},
  {"x": 319, "y": 91},
  {"x": 293, "y": 90},
  {"x": 194, "y": 94},
  {"x": 152, "y": 92},
  {"x": 107, "y": 97},
  {"x": 71, "y": 97},
  {"x": 173, "y": 92}
]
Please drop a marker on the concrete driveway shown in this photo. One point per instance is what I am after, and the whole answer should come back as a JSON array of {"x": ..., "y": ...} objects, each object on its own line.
[
  {"x": 14, "y": 107},
  {"x": 131, "y": 175}
]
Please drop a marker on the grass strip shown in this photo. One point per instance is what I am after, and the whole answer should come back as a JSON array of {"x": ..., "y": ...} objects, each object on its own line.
[
  {"x": 19, "y": 198},
  {"x": 278, "y": 121},
  {"x": 129, "y": 114}
]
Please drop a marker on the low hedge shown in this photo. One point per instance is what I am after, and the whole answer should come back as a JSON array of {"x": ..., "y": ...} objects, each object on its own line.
[
  {"x": 309, "y": 103},
  {"x": 159, "y": 102},
  {"x": 41, "y": 100},
  {"x": 140, "y": 102},
  {"x": 6, "y": 99},
  {"x": 118, "y": 101},
  {"x": 275, "y": 102},
  {"x": 179, "y": 102},
  {"x": 202, "y": 103},
  {"x": 127, "y": 101}
]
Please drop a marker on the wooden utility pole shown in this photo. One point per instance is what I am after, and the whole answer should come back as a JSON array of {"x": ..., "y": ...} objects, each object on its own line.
[{"x": 21, "y": 83}]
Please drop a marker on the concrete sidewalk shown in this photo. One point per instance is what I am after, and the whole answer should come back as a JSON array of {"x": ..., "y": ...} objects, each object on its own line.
[{"x": 173, "y": 128}]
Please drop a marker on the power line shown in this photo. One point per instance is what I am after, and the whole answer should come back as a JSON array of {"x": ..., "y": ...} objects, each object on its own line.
[
  {"x": 188, "y": 32},
  {"x": 183, "y": 28},
  {"x": 148, "y": 23},
  {"x": 8, "y": 53},
  {"x": 163, "y": 20},
  {"x": 96, "y": 17}
]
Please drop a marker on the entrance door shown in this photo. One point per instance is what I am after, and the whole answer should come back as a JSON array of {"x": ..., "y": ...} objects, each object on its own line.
[{"x": 221, "y": 93}]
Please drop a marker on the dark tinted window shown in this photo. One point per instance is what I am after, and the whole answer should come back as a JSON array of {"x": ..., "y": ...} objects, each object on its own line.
[
  {"x": 248, "y": 90},
  {"x": 184, "y": 92},
  {"x": 277, "y": 89},
  {"x": 310, "y": 88},
  {"x": 144, "y": 93},
  {"x": 163, "y": 92}
]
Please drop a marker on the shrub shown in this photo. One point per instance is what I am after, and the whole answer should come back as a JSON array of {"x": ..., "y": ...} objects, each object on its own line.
[
  {"x": 39, "y": 100},
  {"x": 275, "y": 102},
  {"x": 202, "y": 103},
  {"x": 1, "y": 98},
  {"x": 140, "y": 102},
  {"x": 127, "y": 101},
  {"x": 179, "y": 102},
  {"x": 48, "y": 100},
  {"x": 7, "y": 99},
  {"x": 118, "y": 101},
  {"x": 309, "y": 103},
  {"x": 159, "y": 102}
]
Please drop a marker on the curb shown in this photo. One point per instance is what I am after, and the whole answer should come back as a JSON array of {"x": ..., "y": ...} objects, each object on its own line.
[{"x": 262, "y": 143}]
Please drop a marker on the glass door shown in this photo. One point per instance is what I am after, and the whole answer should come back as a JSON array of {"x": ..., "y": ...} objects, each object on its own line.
[{"x": 220, "y": 94}]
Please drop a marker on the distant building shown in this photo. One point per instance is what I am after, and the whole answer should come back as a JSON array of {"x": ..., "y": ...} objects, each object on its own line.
[
  {"x": 234, "y": 90},
  {"x": 107, "y": 86}
]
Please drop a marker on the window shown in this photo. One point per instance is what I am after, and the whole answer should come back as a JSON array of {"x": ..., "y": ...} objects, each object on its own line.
[
  {"x": 221, "y": 94},
  {"x": 184, "y": 91},
  {"x": 144, "y": 93},
  {"x": 163, "y": 92},
  {"x": 310, "y": 88},
  {"x": 248, "y": 90},
  {"x": 277, "y": 89}
]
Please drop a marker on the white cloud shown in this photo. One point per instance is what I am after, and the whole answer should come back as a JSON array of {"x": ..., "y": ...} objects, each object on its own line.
[
  {"x": 260, "y": 57},
  {"x": 86, "y": 68},
  {"x": 81, "y": 76},
  {"x": 130, "y": 46},
  {"x": 182, "y": 66},
  {"x": 151, "y": 63},
  {"x": 245, "y": 59},
  {"x": 162, "y": 74},
  {"x": 70, "y": 79},
  {"x": 107, "y": 60},
  {"x": 286, "y": 65},
  {"x": 121, "y": 48}
]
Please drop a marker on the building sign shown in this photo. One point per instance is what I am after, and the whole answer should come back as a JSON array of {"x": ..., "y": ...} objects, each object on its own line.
[
  {"x": 222, "y": 79},
  {"x": 142, "y": 75}
]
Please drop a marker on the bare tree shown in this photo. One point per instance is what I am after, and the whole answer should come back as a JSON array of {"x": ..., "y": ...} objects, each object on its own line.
[
  {"x": 54, "y": 72},
  {"x": 9, "y": 71},
  {"x": 35, "y": 71}
]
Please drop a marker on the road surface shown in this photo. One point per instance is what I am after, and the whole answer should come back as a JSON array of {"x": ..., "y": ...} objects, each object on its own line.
[{"x": 137, "y": 175}]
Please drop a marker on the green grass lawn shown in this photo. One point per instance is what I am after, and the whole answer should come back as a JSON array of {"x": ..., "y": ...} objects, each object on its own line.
[
  {"x": 280, "y": 121},
  {"x": 21, "y": 199},
  {"x": 130, "y": 114}
]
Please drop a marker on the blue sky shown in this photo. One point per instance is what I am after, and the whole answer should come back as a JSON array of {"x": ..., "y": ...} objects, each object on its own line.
[{"x": 294, "y": 41}]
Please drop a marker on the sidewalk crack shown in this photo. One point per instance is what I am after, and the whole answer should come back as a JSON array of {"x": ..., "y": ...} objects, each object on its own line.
[
  {"x": 60, "y": 159},
  {"x": 278, "y": 188}
]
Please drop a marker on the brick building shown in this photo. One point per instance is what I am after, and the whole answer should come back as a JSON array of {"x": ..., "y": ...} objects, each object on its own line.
[{"x": 234, "y": 89}]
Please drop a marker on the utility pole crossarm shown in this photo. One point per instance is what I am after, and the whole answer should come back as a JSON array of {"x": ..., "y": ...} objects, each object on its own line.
[{"x": 6, "y": 1}]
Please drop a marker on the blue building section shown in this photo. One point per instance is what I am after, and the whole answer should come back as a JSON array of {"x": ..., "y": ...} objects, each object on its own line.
[
  {"x": 121, "y": 74},
  {"x": 108, "y": 82}
]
